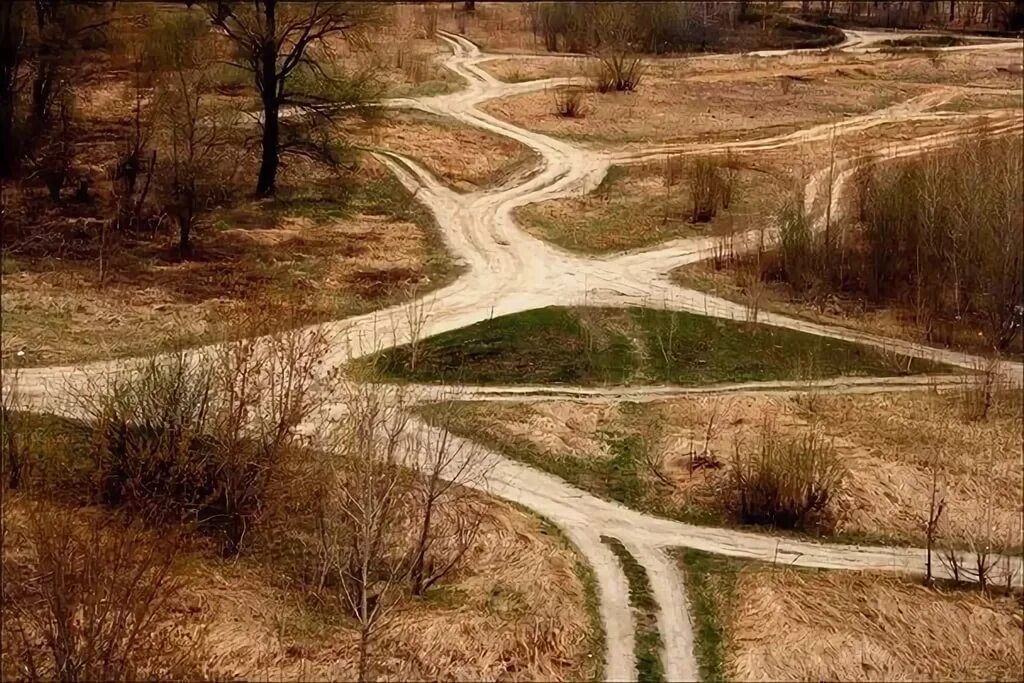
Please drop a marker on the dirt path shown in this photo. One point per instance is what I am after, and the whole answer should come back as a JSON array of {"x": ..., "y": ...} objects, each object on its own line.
[{"x": 509, "y": 271}]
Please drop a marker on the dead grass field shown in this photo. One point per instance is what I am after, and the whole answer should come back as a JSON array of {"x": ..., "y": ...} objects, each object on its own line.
[
  {"x": 663, "y": 109},
  {"x": 464, "y": 157},
  {"x": 516, "y": 611},
  {"x": 303, "y": 257},
  {"x": 888, "y": 443},
  {"x": 781, "y": 624},
  {"x": 638, "y": 206}
]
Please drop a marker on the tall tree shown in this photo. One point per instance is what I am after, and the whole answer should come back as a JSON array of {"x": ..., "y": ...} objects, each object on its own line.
[{"x": 282, "y": 45}]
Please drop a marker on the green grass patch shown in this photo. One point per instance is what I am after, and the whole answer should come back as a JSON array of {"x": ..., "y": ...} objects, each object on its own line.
[
  {"x": 603, "y": 346},
  {"x": 711, "y": 590},
  {"x": 647, "y": 644}
]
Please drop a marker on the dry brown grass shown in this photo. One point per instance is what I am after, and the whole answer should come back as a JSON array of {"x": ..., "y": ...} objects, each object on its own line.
[
  {"x": 514, "y": 611},
  {"x": 638, "y": 206},
  {"x": 669, "y": 107},
  {"x": 315, "y": 260},
  {"x": 792, "y": 625},
  {"x": 464, "y": 157},
  {"x": 887, "y": 442}
]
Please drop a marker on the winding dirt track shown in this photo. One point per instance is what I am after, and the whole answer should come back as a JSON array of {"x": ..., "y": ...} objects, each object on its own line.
[{"x": 508, "y": 271}]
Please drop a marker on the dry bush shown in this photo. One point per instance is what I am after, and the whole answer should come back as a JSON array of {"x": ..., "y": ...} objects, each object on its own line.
[
  {"x": 796, "y": 246},
  {"x": 946, "y": 233},
  {"x": 785, "y": 482},
  {"x": 712, "y": 186},
  {"x": 200, "y": 440},
  {"x": 617, "y": 72},
  {"x": 705, "y": 190},
  {"x": 88, "y": 601},
  {"x": 979, "y": 393},
  {"x": 569, "y": 102}
]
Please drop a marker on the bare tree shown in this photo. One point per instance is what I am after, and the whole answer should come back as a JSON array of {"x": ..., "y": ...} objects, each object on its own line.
[
  {"x": 88, "y": 602},
  {"x": 281, "y": 45},
  {"x": 13, "y": 34},
  {"x": 449, "y": 515},
  {"x": 936, "y": 505},
  {"x": 194, "y": 171},
  {"x": 364, "y": 524}
]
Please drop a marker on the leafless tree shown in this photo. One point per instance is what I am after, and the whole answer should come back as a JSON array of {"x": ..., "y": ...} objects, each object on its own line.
[
  {"x": 281, "y": 45},
  {"x": 936, "y": 506},
  {"x": 88, "y": 601},
  {"x": 364, "y": 526},
  {"x": 195, "y": 170},
  {"x": 449, "y": 516}
]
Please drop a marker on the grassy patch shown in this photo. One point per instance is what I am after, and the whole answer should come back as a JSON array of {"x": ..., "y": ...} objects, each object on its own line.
[
  {"x": 647, "y": 645},
  {"x": 600, "y": 346},
  {"x": 711, "y": 590},
  {"x": 636, "y": 207}
]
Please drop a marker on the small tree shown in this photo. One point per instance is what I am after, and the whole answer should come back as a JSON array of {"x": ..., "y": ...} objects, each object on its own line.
[
  {"x": 449, "y": 516},
  {"x": 193, "y": 172}
]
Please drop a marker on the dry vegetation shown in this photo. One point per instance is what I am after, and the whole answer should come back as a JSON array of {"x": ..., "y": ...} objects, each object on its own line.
[
  {"x": 131, "y": 225},
  {"x": 779, "y": 624},
  {"x": 185, "y": 487},
  {"x": 638, "y": 206},
  {"x": 931, "y": 252},
  {"x": 680, "y": 458},
  {"x": 662, "y": 110}
]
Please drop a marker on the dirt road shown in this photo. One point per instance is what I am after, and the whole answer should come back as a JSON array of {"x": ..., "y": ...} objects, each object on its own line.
[{"x": 508, "y": 271}]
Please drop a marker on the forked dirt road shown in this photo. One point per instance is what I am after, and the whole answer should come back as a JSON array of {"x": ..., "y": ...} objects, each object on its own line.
[{"x": 508, "y": 271}]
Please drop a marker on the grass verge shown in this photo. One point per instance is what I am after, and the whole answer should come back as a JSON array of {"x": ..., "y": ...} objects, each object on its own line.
[
  {"x": 711, "y": 590},
  {"x": 647, "y": 642},
  {"x": 600, "y": 346}
]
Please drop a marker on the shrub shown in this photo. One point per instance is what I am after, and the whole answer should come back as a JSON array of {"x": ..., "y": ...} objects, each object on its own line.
[
  {"x": 785, "y": 482},
  {"x": 569, "y": 102},
  {"x": 84, "y": 601},
  {"x": 796, "y": 245},
  {"x": 705, "y": 190},
  {"x": 201, "y": 440},
  {"x": 618, "y": 72}
]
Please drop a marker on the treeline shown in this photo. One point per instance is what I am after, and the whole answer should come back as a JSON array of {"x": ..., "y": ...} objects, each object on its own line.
[
  {"x": 181, "y": 147},
  {"x": 664, "y": 27},
  {"x": 995, "y": 15},
  {"x": 942, "y": 235}
]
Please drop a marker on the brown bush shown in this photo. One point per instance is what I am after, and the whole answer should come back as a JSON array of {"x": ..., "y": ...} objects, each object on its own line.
[
  {"x": 569, "y": 103},
  {"x": 84, "y": 600},
  {"x": 200, "y": 441},
  {"x": 785, "y": 482}
]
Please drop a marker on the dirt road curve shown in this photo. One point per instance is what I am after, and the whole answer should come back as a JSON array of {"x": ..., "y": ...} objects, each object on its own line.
[{"x": 508, "y": 271}]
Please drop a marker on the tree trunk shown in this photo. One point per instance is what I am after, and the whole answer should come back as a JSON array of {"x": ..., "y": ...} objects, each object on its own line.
[
  {"x": 270, "y": 160},
  {"x": 421, "y": 549},
  {"x": 271, "y": 104},
  {"x": 10, "y": 58}
]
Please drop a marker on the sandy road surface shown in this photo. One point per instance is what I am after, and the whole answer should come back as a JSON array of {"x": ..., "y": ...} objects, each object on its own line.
[{"x": 510, "y": 271}]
